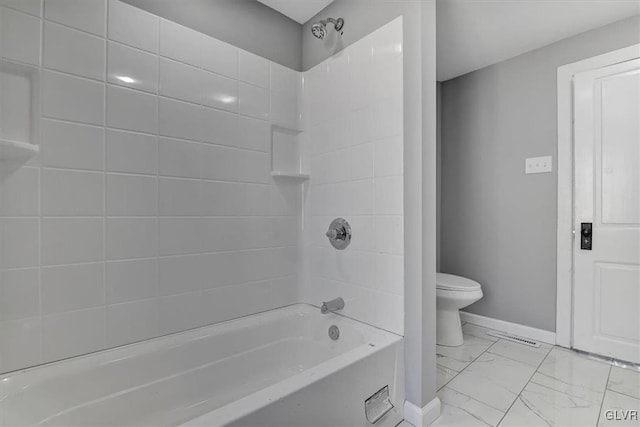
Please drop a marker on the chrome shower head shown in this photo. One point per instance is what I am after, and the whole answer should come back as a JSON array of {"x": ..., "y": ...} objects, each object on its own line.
[{"x": 319, "y": 29}]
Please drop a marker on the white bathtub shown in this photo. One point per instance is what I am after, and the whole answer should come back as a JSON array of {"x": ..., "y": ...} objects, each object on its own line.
[{"x": 278, "y": 368}]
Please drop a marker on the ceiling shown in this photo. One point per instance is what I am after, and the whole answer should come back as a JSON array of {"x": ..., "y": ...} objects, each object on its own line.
[
  {"x": 473, "y": 34},
  {"x": 298, "y": 10}
]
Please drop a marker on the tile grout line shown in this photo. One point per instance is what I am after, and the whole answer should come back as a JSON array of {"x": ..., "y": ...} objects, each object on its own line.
[
  {"x": 621, "y": 393},
  {"x": 604, "y": 392},
  {"x": 463, "y": 369},
  {"x": 104, "y": 177},
  {"x": 525, "y": 386}
]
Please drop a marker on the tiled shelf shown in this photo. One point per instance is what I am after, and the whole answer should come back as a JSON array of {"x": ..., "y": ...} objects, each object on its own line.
[
  {"x": 290, "y": 175},
  {"x": 16, "y": 150}
]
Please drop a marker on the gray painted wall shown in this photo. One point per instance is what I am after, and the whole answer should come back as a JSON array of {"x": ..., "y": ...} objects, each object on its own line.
[
  {"x": 498, "y": 224},
  {"x": 247, "y": 24}
]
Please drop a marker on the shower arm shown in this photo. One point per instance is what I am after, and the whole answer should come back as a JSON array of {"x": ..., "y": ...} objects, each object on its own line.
[{"x": 337, "y": 23}]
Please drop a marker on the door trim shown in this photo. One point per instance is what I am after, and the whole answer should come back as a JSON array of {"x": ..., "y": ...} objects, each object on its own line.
[{"x": 564, "y": 296}]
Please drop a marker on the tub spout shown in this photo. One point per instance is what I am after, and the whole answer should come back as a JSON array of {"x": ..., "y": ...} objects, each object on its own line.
[{"x": 331, "y": 306}]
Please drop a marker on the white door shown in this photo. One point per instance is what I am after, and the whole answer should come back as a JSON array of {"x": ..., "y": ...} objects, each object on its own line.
[{"x": 606, "y": 287}]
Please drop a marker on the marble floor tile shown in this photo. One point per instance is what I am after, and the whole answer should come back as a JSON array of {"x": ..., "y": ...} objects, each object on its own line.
[
  {"x": 522, "y": 353},
  {"x": 576, "y": 369},
  {"x": 457, "y": 358},
  {"x": 493, "y": 380},
  {"x": 478, "y": 331},
  {"x": 619, "y": 410},
  {"x": 625, "y": 381},
  {"x": 546, "y": 401},
  {"x": 541, "y": 406},
  {"x": 444, "y": 375},
  {"x": 460, "y": 410}
]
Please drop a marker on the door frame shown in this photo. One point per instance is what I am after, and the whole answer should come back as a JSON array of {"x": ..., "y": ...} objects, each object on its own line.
[{"x": 565, "y": 226}]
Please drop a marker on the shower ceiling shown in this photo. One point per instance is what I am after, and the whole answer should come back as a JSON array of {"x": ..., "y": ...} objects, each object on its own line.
[{"x": 298, "y": 10}]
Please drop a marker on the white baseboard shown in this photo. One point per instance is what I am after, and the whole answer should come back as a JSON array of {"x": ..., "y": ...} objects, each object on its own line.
[
  {"x": 512, "y": 328},
  {"x": 422, "y": 417}
]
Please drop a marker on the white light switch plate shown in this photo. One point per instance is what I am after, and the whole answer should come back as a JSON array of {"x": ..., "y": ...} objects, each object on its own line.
[{"x": 538, "y": 164}]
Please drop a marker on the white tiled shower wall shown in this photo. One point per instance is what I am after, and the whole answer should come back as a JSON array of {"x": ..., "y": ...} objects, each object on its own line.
[
  {"x": 354, "y": 111},
  {"x": 151, "y": 208}
]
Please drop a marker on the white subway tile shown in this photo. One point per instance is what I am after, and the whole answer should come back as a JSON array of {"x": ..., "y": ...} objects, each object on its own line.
[
  {"x": 361, "y": 124},
  {"x": 73, "y": 333},
  {"x": 180, "y": 43},
  {"x": 18, "y": 242},
  {"x": 284, "y": 80},
  {"x": 131, "y": 110},
  {"x": 220, "y": 127},
  {"x": 131, "y": 280},
  {"x": 246, "y": 233},
  {"x": 132, "y": 321},
  {"x": 389, "y": 234},
  {"x": 180, "y": 119},
  {"x": 219, "y": 57},
  {"x": 253, "y": 134},
  {"x": 73, "y": 98},
  {"x": 389, "y": 157},
  {"x": 284, "y": 110},
  {"x": 132, "y": 68},
  {"x": 229, "y": 164},
  {"x": 387, "y": 77},
  {"x": 73, "y": 52},
  {"x": 389, "y": 195},
  {"x": 19, "y": 193},
  {"x": 72, "y": 240},
  {"x": 389, "y": 273},
  {"x": 253, "y": 101},
  {"x": 229, "y": 198},
  {"x": 234, "y": 268},
  {"x": 131, "y": 152},
  {"x": 181, "y": 312},
  {"x": 253, "y": 69},
  {"x": 19, "y": 36},
  {"x": 387, "y": 41},
  {"x": 133, "y": 26},
  {"x": 181, "y": 81},
  {"x": 21, "y": 344},
  {"x": 72, "y": 145},
  {"x": 131, "y": 238},
  {"x": 220, "y": 92},
  {"x": 178, "y": 236},
  {"x": 285, "y": 199},
  {"x": 388, "y": 117},
  {"x": 231, "y": 302},
  {"x": 87, "y": 15},
  {"x": 32, "y": 7},
  {"x": 131, "y": 195},
  {"x": 361, "y": 195},
  {"x": 179, "y": 197},
  {"x": 361, "y": 161},
  {"x": 72, "y": 287},
  {"x": 179, "y": 158},
  {"x": 72, "y": 193},
  {"x": 19, "y": 294},
  {"x": 180, "y": 274}
]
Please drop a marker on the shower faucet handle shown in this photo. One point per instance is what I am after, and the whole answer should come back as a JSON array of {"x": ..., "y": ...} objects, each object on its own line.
[
  {"x": 339, "y": 233},
  {"x": 336, "y": 233}
]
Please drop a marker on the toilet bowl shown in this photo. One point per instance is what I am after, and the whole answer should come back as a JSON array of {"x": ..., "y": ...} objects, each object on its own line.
[{"x": 452, "y": 294}]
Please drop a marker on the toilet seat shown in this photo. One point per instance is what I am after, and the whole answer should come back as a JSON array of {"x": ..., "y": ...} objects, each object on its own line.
[{"x": 450, "y": 282}]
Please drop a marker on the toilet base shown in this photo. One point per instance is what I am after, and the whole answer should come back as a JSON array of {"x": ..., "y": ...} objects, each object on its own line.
[{"x": 448, "y": 328}]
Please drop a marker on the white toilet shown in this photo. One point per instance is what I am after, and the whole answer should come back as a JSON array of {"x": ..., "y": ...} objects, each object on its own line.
[{"x": 452, "y": 294}]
